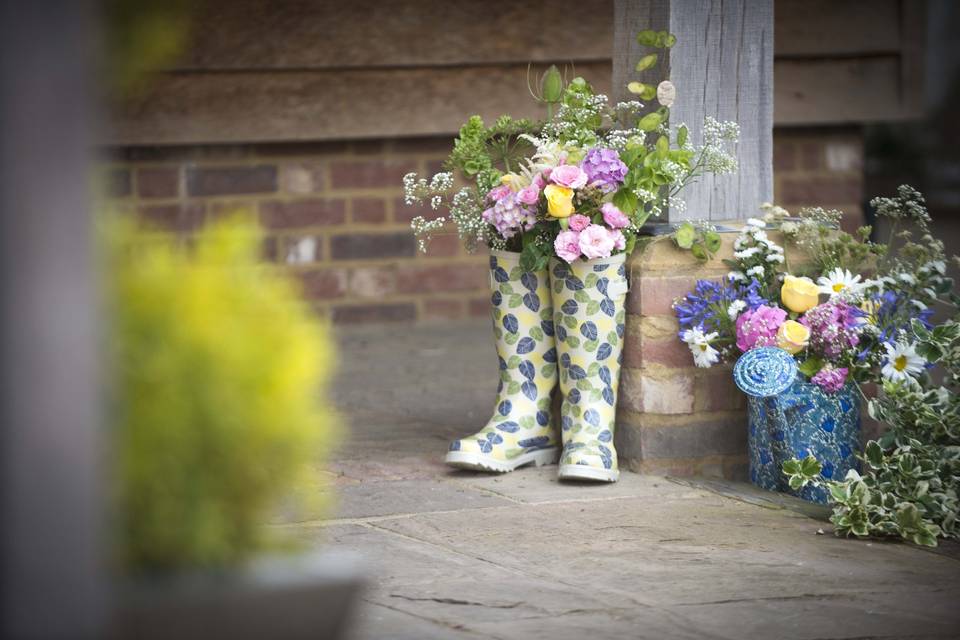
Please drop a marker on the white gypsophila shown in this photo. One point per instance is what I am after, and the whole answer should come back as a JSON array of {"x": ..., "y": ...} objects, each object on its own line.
[
  {"x": 789, "y": 228},
  {"x": 735, "y": 308},
  {"x": 704, "y": 355},
  {"x": 423, "y": 229},
  {"x": 645, "y": 196},
  {"x": 435, "y": 202},
  {"x": 677, "y": 205},
  {"x": 441, "y": 181},
  {"x": 839, "y": 281},
  {"x": 902, "y": 362}
]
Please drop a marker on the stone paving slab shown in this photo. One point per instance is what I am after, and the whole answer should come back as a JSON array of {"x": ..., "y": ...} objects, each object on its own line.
[{"x": 455, "y": 554}]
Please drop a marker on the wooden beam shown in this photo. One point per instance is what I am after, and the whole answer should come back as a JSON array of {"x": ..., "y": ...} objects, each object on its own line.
[
  {"x": 722, "y": 66},
  {"x": 326, "y": 105},
  {"x": 837, "y": 28}
]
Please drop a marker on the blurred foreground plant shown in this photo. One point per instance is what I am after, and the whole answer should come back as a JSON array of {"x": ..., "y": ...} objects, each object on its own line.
[{"x": 220, "y": 376}]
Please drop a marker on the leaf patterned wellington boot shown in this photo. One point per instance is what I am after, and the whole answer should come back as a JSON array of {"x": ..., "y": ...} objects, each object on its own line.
[
  {"x": 588, "y": 303},
  {"x": 521, "y": 431}
]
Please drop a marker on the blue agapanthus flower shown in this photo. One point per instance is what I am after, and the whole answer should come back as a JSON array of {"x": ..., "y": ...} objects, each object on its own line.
[{"x": 706, "y": 306}]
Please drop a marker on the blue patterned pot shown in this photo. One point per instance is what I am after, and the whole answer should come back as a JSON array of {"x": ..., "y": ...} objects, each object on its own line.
[{"x": 800, "y": 421}]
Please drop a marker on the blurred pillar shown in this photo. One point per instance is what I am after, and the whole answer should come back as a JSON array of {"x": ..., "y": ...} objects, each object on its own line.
[{"x": 49, "y": 502}]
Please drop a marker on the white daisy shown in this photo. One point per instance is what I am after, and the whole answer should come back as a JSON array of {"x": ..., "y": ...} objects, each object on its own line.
[
  {"x": 755, "y": 271},
  {"x": 703, "y": 354},
  {"x": 902, "y": 363},
  {"x": 754, "y": 222},
  {"x": 839, "y": 281}
]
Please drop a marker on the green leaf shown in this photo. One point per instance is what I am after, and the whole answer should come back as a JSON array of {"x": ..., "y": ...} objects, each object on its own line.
[
  {"x": 625, "y": 200},
  {"x": 514, "y": 300},
  {"x": 796, "y": 482},
  {"x": 645, "y": 91},
  {"x": 551, "y": 86},
  {"x": 811, "y": 366},
  {"x": 810, "y": 467},
  {"x": 666, "y": 40},
  {"x": 650, "y": 122},
  {"x": 646, "y": 62},
  {"x": 791, "y": 467},
  {"x": 647, "y": 38},
  {"x": 593, "y": 307},
  {"x": 573, "y": 341},
  {"x": 548, "y": 370},
  {"x": 712, "y": 241},
  {"x": 581, "y": 296},
  {"x": 511, "y": 338},
  {"x": 536, "y": 333},
  {"x": 591, "y": 279},
  {"x": 513, "y": 387},
  {"x": 591, "y": 345},
  {"x": 682, "y": 134},
  {"x": 699, "y": 252},
  {"x": 526, "y": 422},
  {"x": 874, "y": 454},
  {"x": 513, "y": 362},
  {"x": 663, "y": 146},
  {"x": 593, "y": 369}
]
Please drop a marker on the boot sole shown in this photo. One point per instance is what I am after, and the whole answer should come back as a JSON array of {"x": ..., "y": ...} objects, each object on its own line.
[
  {"x": 583, "y": 472},
  {"x": 480, "y": 462}
]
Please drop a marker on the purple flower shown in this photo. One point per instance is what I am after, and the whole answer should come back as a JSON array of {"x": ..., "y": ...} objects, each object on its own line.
[
  {"x": 614, "y": 218},
  {"x": 604, "y": 169},
  {"x": 707, "y": 306},
  {"x": 509, "y": 216},
  {"x": 829, "y": 379},
  {"x": 834, "y": 328}
]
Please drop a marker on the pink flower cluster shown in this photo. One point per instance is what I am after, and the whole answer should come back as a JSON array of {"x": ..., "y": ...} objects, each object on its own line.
[
  {"x": 758, "y": 328},
  {"x": 829, "y": 379},
  {"x": 584, "y": 238},
  {"x": 834, "y": 328}
]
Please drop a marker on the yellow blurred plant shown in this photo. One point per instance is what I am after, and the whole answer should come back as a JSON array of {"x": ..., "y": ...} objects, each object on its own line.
[{"x": 220, "y": 394}]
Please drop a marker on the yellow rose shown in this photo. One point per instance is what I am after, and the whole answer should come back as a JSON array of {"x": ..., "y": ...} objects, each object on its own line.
[
  {"x": 792, "y": 336},
  {"x": 799, "y": 294},
  {"x": 559, "y": 200}
]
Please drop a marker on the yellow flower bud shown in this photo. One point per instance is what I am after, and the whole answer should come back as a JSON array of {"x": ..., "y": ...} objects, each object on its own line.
[
  {"x": 799, "y": 294},
  {"x": 559, "y": 200},
  {"x": 793, "y": 336}
]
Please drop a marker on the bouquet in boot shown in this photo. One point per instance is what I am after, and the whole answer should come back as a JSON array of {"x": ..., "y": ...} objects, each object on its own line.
[{"x": 560, "y": 203}]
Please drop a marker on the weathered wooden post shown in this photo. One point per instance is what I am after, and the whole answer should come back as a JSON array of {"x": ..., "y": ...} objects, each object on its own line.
[
  {"x": 50, "y": 462},
  {"x": 672, "y": 417}
]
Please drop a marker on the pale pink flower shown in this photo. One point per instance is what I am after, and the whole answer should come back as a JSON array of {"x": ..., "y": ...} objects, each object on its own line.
[
  {"x": 596, "y": 242},
  {"x": 568, "y": 175},
  {"x": 529, "y": 194},
  {"x": 614, "y": 218},
  {"x": 539, "y": 181},
  {"x": 567, "y": 245},
  {"x": 619, "y": 240},
  {"x": 499, "y": 193},
  {"x": 579, "y": 222}
]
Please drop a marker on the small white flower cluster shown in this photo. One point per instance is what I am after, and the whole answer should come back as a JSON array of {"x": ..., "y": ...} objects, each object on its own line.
[
  {"x": 423, "y": 230},
  {"x": 617, "y": 139},
  {"x": 467, "y": 213},
  {"x": 567, "y": 122},
  {"x": 755, "y": 253},
  {"x": 415, "y": 189},
  {"x": 679, "y": 205},
  {"x": 716, "y": 135}
]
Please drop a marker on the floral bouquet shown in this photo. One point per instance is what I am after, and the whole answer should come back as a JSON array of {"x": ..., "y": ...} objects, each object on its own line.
[{"x": 560, "y": 203}]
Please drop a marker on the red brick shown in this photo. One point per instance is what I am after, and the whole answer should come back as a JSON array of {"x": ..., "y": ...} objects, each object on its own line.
[
  {"x": 374, "y": 313},
  {"x": 811, "y": 155},
  {"x": 821, "y": 191},
  {"x": 443, "y": 246},
  {"x": 174, "y": 217},
  {"x": 367, "y": 147},
  {"x": 373, "y": 282},
  {"x": 303, "y": 213},
  {"x": 442, "y": 309},
  {"x": 441, "y": 278},
  {"x": 404, "y": 213},
  {"x": 373, "y": 245},
  {"x": 434, "y": 167},
  {"x": 302, "y": 177},
  {"x": 367, "y": 174},
  {"x": 655, "y": 295},
  {"x": 215, "y": 181},
  {"x": 641, "y": 352},
  {"x": 479, "y": 307},
  {"x": 716, "y": 391},
  {"x": 784, "y": 156},
  {"x": 116, "y": 183},
  {"x": 323, "y": 284},
  {"x": 301, "y": 249},
  {"x": 369, "y": 210},
  {"x": 229, "y": 208},
  {"x": 158, "y": 183}
]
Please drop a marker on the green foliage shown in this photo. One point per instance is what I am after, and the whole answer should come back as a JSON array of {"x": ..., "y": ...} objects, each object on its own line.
[
  {"x": 659, "y": 39},
  {"x": 911, "y": 478},
  {"x": 219, "y": 388},
  {"x": 701, "y": 239}
]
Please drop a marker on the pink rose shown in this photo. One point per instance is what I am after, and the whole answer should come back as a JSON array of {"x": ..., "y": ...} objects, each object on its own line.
[
  {"x": 529, "y": 195},
  {"x": 499, "y": 193},
  {"x": 614, "y": 218},
  {"x": 569, "y": 175},
  {"x": 567, "y": 245},
  {"x": 596, "y": 242},
  {"x": 539, "y": 181},
  {"x": 619, "y": 240},
  {"x": 579, "y": 222}
]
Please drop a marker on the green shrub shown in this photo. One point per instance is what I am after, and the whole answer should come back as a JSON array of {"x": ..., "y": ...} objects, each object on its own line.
[{"x": 219, "y": 396}]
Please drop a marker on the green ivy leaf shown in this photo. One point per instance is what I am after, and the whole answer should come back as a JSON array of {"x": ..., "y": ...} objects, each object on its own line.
[
  {"x": 685, "y": 234},
  {"x": 874, "y": 454},
  {"x": 810, "y": 467}
]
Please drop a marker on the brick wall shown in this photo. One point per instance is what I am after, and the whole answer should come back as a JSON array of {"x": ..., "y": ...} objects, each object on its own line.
[
  {"x": 674, "y": 418},
  {"x": 820, "y": 167},
  {"x": 333, "y": 214}
]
